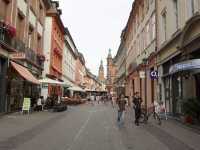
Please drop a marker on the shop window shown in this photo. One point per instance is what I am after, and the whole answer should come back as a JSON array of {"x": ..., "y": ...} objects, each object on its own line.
[
  {"x": 179, "y": 80},
  {"x": 167, "y": 88}
]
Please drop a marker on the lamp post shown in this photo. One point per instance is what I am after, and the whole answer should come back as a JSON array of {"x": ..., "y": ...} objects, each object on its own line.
[{"x": 145, "y": 62}]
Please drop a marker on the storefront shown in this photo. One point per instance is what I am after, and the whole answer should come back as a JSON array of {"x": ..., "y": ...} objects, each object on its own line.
[
  {"x": 181, "y": 73},
  {"x": 21, "y": 83}
]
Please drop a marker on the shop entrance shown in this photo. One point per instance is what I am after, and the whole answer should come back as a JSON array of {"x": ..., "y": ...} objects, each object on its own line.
[
  {"x": 3, "y": 70},
  {"x": 197, "y": 81},
  {"x": 176, "y": 94}
]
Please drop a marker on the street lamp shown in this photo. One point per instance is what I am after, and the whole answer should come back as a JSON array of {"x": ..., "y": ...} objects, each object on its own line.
[{"x": 145, "y": 62}]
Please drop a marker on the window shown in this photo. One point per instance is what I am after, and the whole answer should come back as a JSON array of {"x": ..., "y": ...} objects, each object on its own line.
[
  {"x": 153, "y": 24},
  {"x": 20, "y": 27},
  {"x": 41, "y": 12},
  {"x": 4, "y": 10},
  {"x": 190, "y": 5},
  {"x": 164, "y": 25},
  {"x": 175, "y": 4},
  {"x": 147, "y": 34},
  {"x": 39, "y": 42},
  {"x": 30, "y": 37},
  {"x": 147, "y": 5}
]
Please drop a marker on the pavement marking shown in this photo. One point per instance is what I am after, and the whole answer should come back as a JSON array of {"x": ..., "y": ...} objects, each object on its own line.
[{"x": 80, "y": 131}]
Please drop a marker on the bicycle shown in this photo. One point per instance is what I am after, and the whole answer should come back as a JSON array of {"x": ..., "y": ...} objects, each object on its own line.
[{"x": 145, "y": 116}]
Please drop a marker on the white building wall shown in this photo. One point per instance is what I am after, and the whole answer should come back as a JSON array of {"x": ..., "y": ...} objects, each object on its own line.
[
  {"x": 47, "y": 44},
  {"x": 47, "y": 52},
  {"x": 68, "y": 64}
]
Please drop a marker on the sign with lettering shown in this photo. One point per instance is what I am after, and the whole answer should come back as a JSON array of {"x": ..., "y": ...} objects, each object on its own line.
[
  {"x": 19, "y": 55},
  {"x": 26, "y": 104},
  {"x": 154, "y": 74}
]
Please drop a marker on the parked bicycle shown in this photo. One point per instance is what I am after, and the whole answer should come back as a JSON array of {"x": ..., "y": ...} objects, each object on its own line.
[{"x": 150, "y": 114}]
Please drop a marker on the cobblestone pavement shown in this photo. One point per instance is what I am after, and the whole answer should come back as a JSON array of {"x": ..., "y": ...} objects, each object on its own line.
[{"x": 88, "y": 127}]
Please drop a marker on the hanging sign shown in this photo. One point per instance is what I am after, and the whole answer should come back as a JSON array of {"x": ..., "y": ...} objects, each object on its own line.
[
  {"x": 142, "y": 74},
  {"x": 154, "y": 74}
]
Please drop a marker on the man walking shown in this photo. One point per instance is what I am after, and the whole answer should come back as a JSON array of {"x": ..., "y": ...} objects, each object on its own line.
[
  {"x": 137, "y": 107},
  {"x": 121, "y": 103}
]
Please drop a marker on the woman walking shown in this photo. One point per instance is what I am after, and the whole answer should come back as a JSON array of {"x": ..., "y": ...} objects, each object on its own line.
[{"x": 121, "y": 104}]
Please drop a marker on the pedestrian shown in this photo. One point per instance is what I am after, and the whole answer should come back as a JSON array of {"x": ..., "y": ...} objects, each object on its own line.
[
  {"x": 42, "y": 102},
  {"x": 137, "y": 101},
  {"x": 112, "y": 101},
  {"x": 39, "y": 104},
  {"x": 121, "y": 104}
]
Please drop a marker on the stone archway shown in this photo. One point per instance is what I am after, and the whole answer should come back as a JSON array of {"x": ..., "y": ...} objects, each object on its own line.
[{"x": 190, "y": 38}]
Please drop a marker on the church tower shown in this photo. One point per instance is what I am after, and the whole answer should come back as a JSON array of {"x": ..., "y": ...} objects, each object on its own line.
[
  {"x": 110, "y": 73},
  {"x": 109, "y": 67},
  {"x": 101, "y": 72}
]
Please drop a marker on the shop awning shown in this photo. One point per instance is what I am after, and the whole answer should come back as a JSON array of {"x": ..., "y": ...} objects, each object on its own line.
[
  {"x": 192, "y": 64},
  {"x": 68, "y": 83},
  {"x": 76, "y": 88},
  {"x": 25, "y": 73},
  {"x": 51, "y": 81}
]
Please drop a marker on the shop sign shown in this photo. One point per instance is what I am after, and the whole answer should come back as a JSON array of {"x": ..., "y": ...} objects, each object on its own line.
[
  {"x": 154, "y": 74},
  {"x": 19, "y": 55},
  {"x": 26, "y": 104},
  {"x": 142, "y": 74}
]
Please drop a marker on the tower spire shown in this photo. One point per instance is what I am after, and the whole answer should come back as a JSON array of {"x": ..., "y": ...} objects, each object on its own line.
[
  {"x": 101, "y": 72},
  {"x": 109, "y": 53}
]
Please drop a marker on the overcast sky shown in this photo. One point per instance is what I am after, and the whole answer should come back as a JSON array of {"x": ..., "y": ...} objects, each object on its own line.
[{"x": 95, "y": 26}]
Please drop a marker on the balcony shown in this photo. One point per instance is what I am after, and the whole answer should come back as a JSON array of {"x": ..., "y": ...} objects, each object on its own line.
[
  {"x": 15, "y": 46},
  {"x": 6, "y": 39},
  {"x": 34, "y": 58}
]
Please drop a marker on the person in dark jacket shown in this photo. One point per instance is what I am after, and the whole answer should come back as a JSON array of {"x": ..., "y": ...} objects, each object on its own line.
[
  {"x": 137, "y": 101},
  {"x": 121, "y": 104}
]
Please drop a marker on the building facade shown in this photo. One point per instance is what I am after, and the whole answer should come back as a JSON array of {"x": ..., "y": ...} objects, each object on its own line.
[
  {"x": 69, "y": 58},
  {"x": 91, "y": 82},
  {"x": 80, "y": 70},
  {"x": 135, "y": 58},
  {"x": 69, "y": 63},
  {"x": 120, "y": 63},
  {"x": 53, "y": 48},
  {"x": 111, "y": 73},
  {"x": 22, "y": 32},
  {"x": 178, "y": 56}
]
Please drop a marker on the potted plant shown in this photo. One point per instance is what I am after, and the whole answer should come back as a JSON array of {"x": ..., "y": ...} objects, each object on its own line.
[{"x": 191, "y": 110}]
